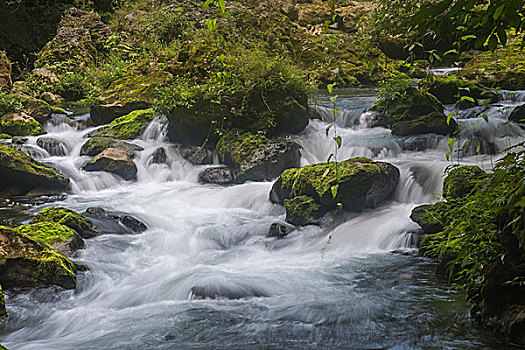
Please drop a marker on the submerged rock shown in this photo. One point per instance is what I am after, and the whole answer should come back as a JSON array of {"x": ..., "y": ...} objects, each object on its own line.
[
  {"x": 97, "y": 144},
  {"x": 461, "y": 181},
  {"x": 196, "y": 155},
  {"x": 159, "y": 156},
  {"x": 60, "y": 237},
  {"x": 219, "y": 176},
  {"x": 67, "y": 217},
  {"x": 518, "y": 115},
  {"x": 114, "y": 223},
  {"x": 223, "y": 291},
  {"x": 20, "y": 124},
  {"x": 53, "y": 146},
  {"x": 113, "y": 161},
  {"x": 20, "y": 174},
  {"x": 30, "y": 263},
  {"x": 127, "y": 127},
  {"x": 278, "y": 230},
  {"x": 255, "y": 157}
]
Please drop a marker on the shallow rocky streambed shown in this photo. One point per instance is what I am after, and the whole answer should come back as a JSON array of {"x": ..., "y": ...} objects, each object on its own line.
[{"x": 206, "y": 276}]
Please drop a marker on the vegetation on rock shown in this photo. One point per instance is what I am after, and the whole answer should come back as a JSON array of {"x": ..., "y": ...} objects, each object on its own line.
[
  {"x": 127, "y": 127},
  {"x": 62, "y": 238},
  {"x": 67, "y": 217}
]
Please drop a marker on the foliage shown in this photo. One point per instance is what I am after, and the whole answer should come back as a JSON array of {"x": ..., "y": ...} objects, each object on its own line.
[{"x": 10, "y": 103}]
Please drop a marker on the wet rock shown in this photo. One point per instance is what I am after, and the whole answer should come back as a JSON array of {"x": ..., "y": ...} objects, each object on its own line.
[
  {"x": 461, "y": 181},
  {"x": 513, "y": 324},
  {"x": 20, "y": 124},
  {"x": 67, "y": 217},
  {"x": 465, "y": 104},
  {"x": 20, "y": 174},
  {"x": 114, "y": 223},
  {"x": 433, "y": 123},
  {"x": 450, "y": 89},
  {"x": 53, "y": 146},
  {"x": 113, "y": 161},
  {"x": 220, "y": 290},
  {"x": 431, "y": 217},
  {"x": 363, "y": 184},
  {"x": 128, "y": 94},
  {"x": 3, "y": 311},
  {"x": 255, "y": 157},
  {"x": 97, "y": 144},
  {"x": 159, "y": 156},
  {"x": 5, "y": 70},
  {"x": 127, "y": 127},
  {"x": 38, "y": 109},
  {"x": 19, "y": 140},
  {"x": 51, "y": 98},
  {"x": 29, "y": 263},
  {"x": 196, "y": 155},
  {"x": 62, "y": 238},
  {"x": 218, "y": 176},
  {"x": 278, "y": 230},
  {"x": 518, "y": 115}
]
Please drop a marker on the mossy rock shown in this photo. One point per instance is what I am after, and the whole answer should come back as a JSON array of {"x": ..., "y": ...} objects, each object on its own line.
[
  {"x": 26, "y": 262},
  {"x": 363, "y": 184},
  {"x": 433, "y": 123},
  {"x": 127, "y": 127},
  {"x": 5, "y": 136},
  {"x": 409, "y": 105},
  {"x": 462, "y": 180},
  {"x": 20, "y": 174},
  {"x": 62, "y": 238},
  {"x": 512, "y": 324},
  {"x": 127, "y": 94},
  {"x": 38, "y": 109},
  {"x": 53, "y": 146},
  {"x": 113, "y": 161},
  {"x": 96, "y": 145},
  {"x": 518, "y": 115},
  {"x": 256, "y": 157},
  {"x": 303, "y": 210},
  {"x": 20, "y": 124},
  {"x": 67, "y": 217},
  {"x": 504, "y": 68},
  {"x": 3, "y": 311},
  {"x": 431, "y": 217},
  {"x": 450, "y": 88}
]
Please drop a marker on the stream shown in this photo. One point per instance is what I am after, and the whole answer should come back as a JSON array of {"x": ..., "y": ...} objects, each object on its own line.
[{"x": 363, "y": 288}]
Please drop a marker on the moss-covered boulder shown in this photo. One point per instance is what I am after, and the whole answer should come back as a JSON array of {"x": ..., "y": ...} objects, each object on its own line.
[
  {"x": 3, "y": 311},
  {"x": 255, "y": 157},
  {"x": 67, "y": 217},
  {"x": 431, "y": 217},
  {"x": 407, "y": 105},
  {"x": 26, "y": 262},
  {"x": 38, "y": 109},
  {"x": 20, "y": 174},
  {"x": 303, "y": 210},
  {"x": 113, "y": 161},
  {"x": 363, "y": 184},
  {"x": 60, "y": 237},
  {"x": 97, "y": 144},
  {"x": 127, "y": 94},
  {"x": 449, "y": 89},
  {"x": 20, "y": 124},
  {"x": 462, "y": 180},
  {"x": 504, "y": 68},
  {"x": 433, "y": 123},
  {"x": 127, "y": 127}
]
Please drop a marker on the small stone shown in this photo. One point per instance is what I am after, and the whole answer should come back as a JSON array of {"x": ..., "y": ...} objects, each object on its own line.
[
  {"x": 159, "y": 156},
  {"x": 218, "y": 176},
  {"x": 279, "y": 230}
]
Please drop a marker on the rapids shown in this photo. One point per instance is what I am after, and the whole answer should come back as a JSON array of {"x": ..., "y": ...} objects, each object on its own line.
[{"x": 205, "y": 276}]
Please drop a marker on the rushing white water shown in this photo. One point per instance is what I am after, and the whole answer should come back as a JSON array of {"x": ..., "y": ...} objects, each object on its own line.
[{"x": 337, "y": 286}]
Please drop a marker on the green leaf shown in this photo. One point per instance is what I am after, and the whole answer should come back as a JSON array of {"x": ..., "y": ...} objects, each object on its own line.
[
  {"x": 478, "y": 146},
  {"x": 333, "y": 99},
  {"x": 485, "y": 117},
  {"x": 493, "y": 43},
  {"x": 328, "y": 161},
  {"x": 498, "y": 11},
  {"x": 327, "y": 130},
  {"x": 338, "y": 173},
  {"x": 339, "y": 141},
  {"x": 468, "y": 37},
  {"x": 222, "y": 6},
  {"x": 447, "y": 155},
  {"x": 450, "y": 52},
  {"x": 468, "y": 98},
  {"x": 451, "y": 143},
  {"x": 206, "y": 4},
  {"x": 449, "y": 117},
  {"x": 334, "y": 190},
  {"x": 330, "y": 88}
]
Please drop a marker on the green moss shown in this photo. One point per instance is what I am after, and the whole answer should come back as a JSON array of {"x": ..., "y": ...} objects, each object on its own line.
[
  {"x": 435, "y": 122},
  {"x": 66, "y": 217},
  {"x": 462, "y": 180},
  {"x": 238, "y": 147},
  {"x": 303, "y": 210},
  {"x": 48, "y": 232},
  {"x": 129, "y": 126},
  {"x": 3, "y": 312},
  {"x": 5, "y": 136},
  {"x": 26, "y": 127},
  {"x": 503, "y": 68}
]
